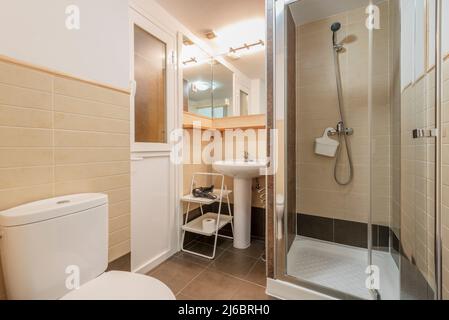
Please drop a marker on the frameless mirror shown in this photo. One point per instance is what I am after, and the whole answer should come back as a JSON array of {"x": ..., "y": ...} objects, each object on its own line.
[
  {"x": 208, "y": 84},
  {"x": 197, "y": 79},
  {"x": 222, "y": 93},
  {"x": 244, "y": 103}
]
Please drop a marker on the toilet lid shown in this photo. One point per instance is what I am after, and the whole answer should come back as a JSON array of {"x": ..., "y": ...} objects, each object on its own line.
[{"x": 117, "y": 285}]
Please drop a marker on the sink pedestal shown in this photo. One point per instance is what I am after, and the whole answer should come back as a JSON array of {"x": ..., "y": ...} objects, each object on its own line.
[
  {"x": 242, "y": 213},
  {"x": 243, "y": 172}
]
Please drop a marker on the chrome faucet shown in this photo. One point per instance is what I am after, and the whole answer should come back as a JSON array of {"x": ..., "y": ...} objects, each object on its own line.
[{"x": 246, "y": 156}]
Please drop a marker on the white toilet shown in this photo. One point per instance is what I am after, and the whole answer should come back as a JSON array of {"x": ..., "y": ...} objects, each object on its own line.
[{"x": 49, "y": 247}]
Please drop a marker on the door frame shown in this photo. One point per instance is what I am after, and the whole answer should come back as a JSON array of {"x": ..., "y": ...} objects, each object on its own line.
[
  {"x": 142, "y": 151},
  {"x": 137, "y": 18}
]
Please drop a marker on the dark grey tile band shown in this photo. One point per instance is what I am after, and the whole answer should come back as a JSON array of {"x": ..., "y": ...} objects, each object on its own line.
[{"x": 342, "y": 231}]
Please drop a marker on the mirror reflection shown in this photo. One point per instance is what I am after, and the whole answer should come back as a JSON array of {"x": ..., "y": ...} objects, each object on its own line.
[
  {"x": 208, "y": 84},
  {"x": 197, "y": 79},
  {"x": 222, "y": 91}
]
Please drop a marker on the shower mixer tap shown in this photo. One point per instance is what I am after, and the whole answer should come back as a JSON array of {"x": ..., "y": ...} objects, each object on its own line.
[{"x": 341, "y": 130}]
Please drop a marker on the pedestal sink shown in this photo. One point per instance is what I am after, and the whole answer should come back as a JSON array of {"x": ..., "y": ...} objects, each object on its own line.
[{"x": 243, "y": 172}]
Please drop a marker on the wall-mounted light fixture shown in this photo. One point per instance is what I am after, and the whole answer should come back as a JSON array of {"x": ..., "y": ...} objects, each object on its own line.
[
  {"x": 247, "y": 46},
  {"x": 190, "y": 61},
  {"x": 234, "y": 52},
  {"x": 201, "y": 86},
  {"x": 210, "y": 35},
  {"x": 187, "y": 42}
]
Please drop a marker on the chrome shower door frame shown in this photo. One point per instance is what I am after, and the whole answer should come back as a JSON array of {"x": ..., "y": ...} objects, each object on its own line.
[
  {"x": 279, "y": 115},
  {"x": 280, "y": 95}
]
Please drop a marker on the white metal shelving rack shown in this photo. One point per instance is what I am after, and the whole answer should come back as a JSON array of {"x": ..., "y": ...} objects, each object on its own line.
[{"x": 196, "y": 225}]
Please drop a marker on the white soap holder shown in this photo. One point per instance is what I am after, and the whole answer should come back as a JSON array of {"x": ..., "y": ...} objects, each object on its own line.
[{"x": 326, "y": 146}]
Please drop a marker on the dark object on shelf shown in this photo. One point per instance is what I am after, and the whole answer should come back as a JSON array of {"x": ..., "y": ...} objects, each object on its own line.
[{"x": 204, "y": 192}]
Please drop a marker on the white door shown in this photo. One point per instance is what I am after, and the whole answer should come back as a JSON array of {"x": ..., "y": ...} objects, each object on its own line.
[{"x": 153, "y": 227}]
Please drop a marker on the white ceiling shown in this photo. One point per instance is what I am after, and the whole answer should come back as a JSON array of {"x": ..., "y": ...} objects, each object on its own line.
[
  {"x": 306, "y": 11},
  {"x": 200, "y": 16}
]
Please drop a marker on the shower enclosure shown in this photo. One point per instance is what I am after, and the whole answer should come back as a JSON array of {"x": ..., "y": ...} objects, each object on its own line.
[{"x": 356, "y": 99}]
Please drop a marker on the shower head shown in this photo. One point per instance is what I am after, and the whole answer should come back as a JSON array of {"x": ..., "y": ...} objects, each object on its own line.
[{"x": 335, "y": 26}]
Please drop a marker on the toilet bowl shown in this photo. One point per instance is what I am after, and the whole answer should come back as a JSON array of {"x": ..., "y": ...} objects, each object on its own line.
[
  {"x": 117, "y": 285},
  {"x": 58, "y": 249}
]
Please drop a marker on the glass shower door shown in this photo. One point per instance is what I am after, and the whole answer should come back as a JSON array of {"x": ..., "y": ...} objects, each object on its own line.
[
  {"x": 374, "y": 236},
  {"x": 329, "y": 103}
]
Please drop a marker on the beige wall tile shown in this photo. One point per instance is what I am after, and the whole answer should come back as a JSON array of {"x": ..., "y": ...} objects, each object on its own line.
[
  {"x": 90, "y": 108},
  {"x": 119, "y": 236},
  {"x": 322, "y": 25},
  {"x": 94, "y": 185},
  {"x": 90, "y": 171},
  {"x": 316, "y": 50},
  {"x": 118, "y": 195},
  {"x": 25, "y": 137},
  {"x": 65, "y": 138},
  {"x": 69, "y": 121},
  {"x": 446, "y": 91},
  {"x": 119, "y": 250},
  {"x": 25, "y": 117},
  {"x": 25, "y": 77},
  {"x": 65, "y": 156},
  {"x": 38, "y": 161},
  {"x": 77, "y": 89},
  {"x": 23, "y": 177},
  {"x": 13, "y": 157},
  {"x": 119, "y": 223},
  {"x": 21, "y": 97},
  {"x": 119, "y": 209},
  {"x": 318, "y": 109},
  {"x": 10, "y": 198}
]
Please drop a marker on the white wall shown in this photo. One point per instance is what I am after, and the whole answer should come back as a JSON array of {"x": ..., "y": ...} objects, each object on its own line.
[
  {"x": 35, "y": 32},
  {"x": 259, "y": 97},
  {"x": 445, "y": 27},
  {"x": 407, "y": 42}
]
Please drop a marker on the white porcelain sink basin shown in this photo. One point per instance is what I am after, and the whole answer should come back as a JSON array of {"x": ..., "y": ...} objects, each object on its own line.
[
  {"x": 243, "y": 172},
  {"x": 240, "y": 168}
]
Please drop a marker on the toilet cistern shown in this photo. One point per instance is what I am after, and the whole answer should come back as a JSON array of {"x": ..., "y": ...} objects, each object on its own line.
[{"x": 243, "y": 171}]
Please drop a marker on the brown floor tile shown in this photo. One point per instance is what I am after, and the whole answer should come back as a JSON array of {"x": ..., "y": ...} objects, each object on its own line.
[
  {"x": 177, "y": 273},
  {"x": 237, "y": 265},
  {"x": 211, "y": 285},
  {"x": 121, "y": 264},
  {"x": 249, "y": 291},
  {"x": 256, "y": 249},
  {"x": 257, "y": 274},
  {"x": 183, "y": 297},
  {"x": 222, "y": 243},
  {"x": 200, "y": 248}
]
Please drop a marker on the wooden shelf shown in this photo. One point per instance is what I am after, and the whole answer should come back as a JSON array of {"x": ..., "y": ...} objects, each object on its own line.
[{"x": 257, "y": 121}]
